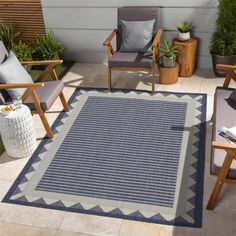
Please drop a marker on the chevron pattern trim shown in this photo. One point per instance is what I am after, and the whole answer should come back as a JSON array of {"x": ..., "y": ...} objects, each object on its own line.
[{"x": 187, "y": 208}]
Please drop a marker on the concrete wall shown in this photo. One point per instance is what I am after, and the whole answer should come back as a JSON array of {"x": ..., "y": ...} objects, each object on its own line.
[{"x": 82, "y": 25}]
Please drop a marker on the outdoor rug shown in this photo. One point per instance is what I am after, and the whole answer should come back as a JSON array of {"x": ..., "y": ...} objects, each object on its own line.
[{"x": 125, "y": 154}]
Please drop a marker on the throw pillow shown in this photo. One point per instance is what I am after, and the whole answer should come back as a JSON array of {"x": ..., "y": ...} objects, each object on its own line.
[
  {"x": 137, "y": 36},
  {"x": 3, "y": 53},
  {"x": 232, "y": 96},
  {"x": 12, "y": 72}
]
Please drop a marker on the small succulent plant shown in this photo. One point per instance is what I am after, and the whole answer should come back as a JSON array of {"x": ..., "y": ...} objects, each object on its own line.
[
  {"x": 168, "y": 51},
  {"x": 184, "y": 27}
]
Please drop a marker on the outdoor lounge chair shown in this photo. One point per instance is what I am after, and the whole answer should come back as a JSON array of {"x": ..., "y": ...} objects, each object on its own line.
[
  {"x": 38, "y": 96},
  {"x": 223, "y": 159},
  {"x": 134, "y": 61}
]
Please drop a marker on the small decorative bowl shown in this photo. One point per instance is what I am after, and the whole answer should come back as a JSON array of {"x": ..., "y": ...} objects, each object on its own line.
[{"x": 5, "y": 110}]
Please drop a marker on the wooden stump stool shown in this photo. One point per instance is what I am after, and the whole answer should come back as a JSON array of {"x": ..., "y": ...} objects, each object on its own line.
[
  {"x": 187, "y": 57},
  {"x": 169, "y": 75}
]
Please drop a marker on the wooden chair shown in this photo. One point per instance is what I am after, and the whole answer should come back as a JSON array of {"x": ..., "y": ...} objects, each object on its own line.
[
  {"x": 134, "y": 61},
  {"x": 40, "y": 96},
  {"x": 223, "y": 153}
]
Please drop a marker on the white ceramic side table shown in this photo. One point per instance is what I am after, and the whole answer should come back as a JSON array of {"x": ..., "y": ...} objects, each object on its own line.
[{"x": 18, "y": 132}]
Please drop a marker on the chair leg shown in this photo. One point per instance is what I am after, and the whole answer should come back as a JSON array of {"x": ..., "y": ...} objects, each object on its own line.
[
  {"x": 227, "y": 80},
  {"x": 219, "y": 182},
  {"x": 42, "y": 114},
  {"x": 109, "y": 79},
  {"x": 46, "y": 125},
  {"x": 61, "y": 95},
  {"x": 63, "y": 101},
  {"x": 153, "y": 77}
]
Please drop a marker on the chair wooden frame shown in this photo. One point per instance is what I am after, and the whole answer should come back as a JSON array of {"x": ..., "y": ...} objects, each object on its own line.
[
  {"x": 30, "y": 90},
  {"x": 155, "y": 53},
  {"x": 230, "y": 149}
]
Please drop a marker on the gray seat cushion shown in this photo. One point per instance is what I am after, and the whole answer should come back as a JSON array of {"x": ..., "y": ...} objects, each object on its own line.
[
  {"x": 137, "y": 36},
  {"x": 139, "y": 13},
  {"x": 232, "y": 96},
  {"x": 47, "y": 94},
  {"x": 129, "y": 59},
  {"x": 224, "y": 115},
  {"x": 12, "y": 72}
]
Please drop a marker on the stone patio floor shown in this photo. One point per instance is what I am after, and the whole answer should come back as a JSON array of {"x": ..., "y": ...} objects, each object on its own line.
[{"x": 23, "y": 221}]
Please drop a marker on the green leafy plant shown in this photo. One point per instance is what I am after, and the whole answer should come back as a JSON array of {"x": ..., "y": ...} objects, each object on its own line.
[
  {"x": 223, "y": 41},
  {"x": 47, "y": 47},
  {"x": 7, "y": 34},
  {"x": 22, "y": 51},
  {"x": 184, "y": 27},
  {"x": 168, "y": 51}
]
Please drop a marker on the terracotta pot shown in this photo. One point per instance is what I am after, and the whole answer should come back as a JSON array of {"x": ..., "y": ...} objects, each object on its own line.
[{"x": 169, "y": 75}]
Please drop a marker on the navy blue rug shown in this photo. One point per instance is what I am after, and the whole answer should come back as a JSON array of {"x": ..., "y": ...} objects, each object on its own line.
[{"x": 126, "y": 154}]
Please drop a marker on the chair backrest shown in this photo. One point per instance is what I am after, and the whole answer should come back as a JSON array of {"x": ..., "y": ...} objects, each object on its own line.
[
  {"x": 136, "y": 14},
  {"x": 4, "y": 96}
]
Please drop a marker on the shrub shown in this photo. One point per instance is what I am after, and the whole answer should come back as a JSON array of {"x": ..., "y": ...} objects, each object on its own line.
[
  {"x": 47, "y": 47},
  {"x": 223, "y": 41},
  {"x": 7, "y": 34},
  {"x": 22, "y": 51}
]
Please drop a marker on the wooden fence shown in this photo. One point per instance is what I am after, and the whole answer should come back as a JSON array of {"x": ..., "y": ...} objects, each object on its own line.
[{"x": 25, "y": 16}]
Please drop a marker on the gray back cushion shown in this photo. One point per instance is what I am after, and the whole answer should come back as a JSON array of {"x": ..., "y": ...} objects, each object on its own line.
[
  {"x": 12, "y": 72},
  {"x": 4, "y": 97},
  {"x": 136, "y": 14},
  {"x": 137, "y": 36},
  {"x": 232, "y": 96},
  {"x": 3, "y": 52}
]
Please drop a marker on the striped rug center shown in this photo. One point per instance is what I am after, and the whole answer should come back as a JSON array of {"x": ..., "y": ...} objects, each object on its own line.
[{"x": 119, "y": 149}]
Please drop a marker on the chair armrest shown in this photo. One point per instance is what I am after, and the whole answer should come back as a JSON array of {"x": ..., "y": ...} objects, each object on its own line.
[
  {"x": 10, "y": 86},
  {"x": 107, "y": 42},
  {"x": 230, "y": 73},
  {"x": 46, "y": 62},
  {"x": 225, "y": 67},
  {"x": 224, "y": 146},
  {"x": 157, "y": 38}
]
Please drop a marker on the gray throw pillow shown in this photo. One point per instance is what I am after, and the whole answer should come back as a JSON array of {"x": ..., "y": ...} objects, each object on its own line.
[
  {"x": 232, "y": 96},
  {"x": 12, "y": 72},
  {"x": 3, "y": 53},
  {"x": 137, "y": 36}
]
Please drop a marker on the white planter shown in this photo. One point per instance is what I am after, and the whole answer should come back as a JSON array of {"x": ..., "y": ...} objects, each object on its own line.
[{"x": 184, "y": 36}]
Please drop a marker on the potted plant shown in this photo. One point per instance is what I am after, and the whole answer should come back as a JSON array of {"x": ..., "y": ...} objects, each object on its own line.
[
  {"x": 168, "y": 54},
  {"x": 7, "y": 35},
  {"x": 47, "y": 48},
  {"x": 23, "y": 53},
  {"x": 223, "y": 41},
  {"x": 168, "y": 67},
  {"x": 184, "y": 31}
]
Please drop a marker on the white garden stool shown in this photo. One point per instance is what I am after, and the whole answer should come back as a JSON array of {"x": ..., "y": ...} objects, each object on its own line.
[{"x": 18, "y": 132}]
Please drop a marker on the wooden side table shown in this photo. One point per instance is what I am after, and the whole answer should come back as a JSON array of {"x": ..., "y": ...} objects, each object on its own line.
[{"x": 187, "y": 57}]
